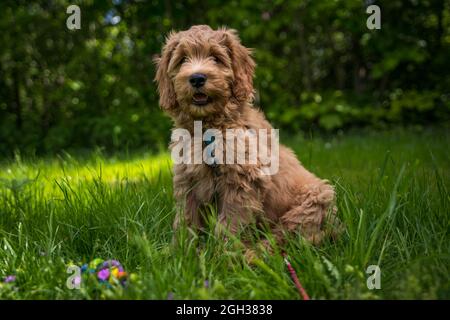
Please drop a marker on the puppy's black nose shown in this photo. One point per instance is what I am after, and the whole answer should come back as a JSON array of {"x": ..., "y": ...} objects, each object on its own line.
[{"x": 197, "y": 80}]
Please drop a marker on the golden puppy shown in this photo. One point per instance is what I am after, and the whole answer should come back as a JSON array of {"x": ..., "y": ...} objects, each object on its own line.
[{"x": 207, "y": 75}]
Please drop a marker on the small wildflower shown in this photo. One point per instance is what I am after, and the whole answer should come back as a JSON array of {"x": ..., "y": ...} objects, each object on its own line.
[
  {"x": 84, "y": 267},
  {"x": 95, "y": 263},
  {"x": 103, "y": 274},
  {"x": 111, "y": 263},
  {"x": 114, "y": 272}
]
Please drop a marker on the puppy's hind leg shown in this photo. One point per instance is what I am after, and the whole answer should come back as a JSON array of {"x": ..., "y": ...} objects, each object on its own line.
[{"x": 315, "y": 210}]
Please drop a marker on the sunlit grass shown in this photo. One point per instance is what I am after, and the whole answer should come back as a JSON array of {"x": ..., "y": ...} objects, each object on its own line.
[
  {"x": 392, "y": 196},
  {"x": 65, "y": 168}
]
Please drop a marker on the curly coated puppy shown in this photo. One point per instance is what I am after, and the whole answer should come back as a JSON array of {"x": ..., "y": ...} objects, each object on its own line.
[{"x": 207, "y": 75}]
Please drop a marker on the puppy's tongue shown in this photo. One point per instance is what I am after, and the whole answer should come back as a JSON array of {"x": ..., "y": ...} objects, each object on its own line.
[{"x": 200, "y": 98}]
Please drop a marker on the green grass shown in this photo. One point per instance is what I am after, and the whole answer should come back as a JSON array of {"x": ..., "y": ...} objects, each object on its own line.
[{"x": 392, "y": 196}]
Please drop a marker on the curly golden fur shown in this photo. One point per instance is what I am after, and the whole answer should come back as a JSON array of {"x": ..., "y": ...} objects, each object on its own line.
[{"x": 291, "y": 200}]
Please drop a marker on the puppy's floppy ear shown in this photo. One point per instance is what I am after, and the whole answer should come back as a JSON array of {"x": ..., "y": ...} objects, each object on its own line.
[
  {"x": 242, "y": 64},
  {"x": 167, "y": 96}
]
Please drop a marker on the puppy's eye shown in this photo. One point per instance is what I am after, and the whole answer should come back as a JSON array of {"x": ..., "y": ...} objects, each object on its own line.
[
  {"x": 183, "y": 60},
  {"x": 216, "y": 60}
]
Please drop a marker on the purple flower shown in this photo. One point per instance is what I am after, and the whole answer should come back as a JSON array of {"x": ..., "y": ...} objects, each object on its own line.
[
  {"x": 103, "y": 274},
  {"x": 77, "y": 280},
  {"x": 206, "y": 283},
  {"x": 9, "y": 279},
  {"x": 111, "y": 263},
  {"x": 170, "y": 296}
]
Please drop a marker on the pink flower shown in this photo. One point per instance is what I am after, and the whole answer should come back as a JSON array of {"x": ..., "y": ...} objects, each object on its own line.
[{"x": 103, "y": 274}]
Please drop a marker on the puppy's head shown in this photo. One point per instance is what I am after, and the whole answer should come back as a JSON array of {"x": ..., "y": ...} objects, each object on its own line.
[{"x": 201, "y": 70}]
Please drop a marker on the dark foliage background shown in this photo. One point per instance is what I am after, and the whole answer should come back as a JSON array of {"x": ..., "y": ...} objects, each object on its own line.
[{"x": 319, "y": 67}]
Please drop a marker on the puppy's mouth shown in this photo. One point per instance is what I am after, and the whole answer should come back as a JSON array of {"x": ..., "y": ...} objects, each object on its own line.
[{"x": 200, "y": 99}]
